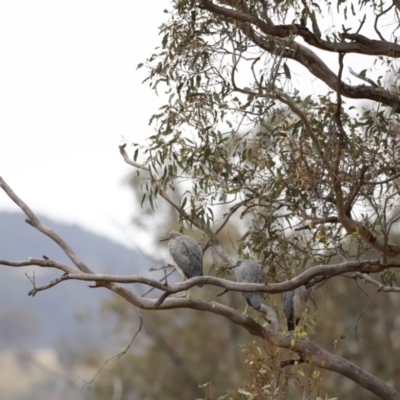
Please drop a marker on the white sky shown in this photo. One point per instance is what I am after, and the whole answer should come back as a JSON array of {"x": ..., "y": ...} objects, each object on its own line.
[{"x": 69, "y": 92}]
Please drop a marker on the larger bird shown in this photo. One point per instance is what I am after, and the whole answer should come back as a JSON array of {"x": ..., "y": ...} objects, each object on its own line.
[
  {"x": 187, "y": 255},
  {"x": 250, "y": 271},
  {"x": 294, "y": 305}
]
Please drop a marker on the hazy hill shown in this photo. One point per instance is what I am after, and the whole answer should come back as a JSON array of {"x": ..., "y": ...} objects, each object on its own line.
[{"x": 49, "y": 317}]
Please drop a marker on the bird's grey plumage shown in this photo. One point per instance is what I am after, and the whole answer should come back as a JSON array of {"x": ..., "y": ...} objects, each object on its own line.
[
  {"x": 186, "y": 254},
  {"x": 294, "y": 305},
  {"x": 250, "y": 271}
]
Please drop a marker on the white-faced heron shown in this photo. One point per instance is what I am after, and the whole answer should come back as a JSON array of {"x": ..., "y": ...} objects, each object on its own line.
[
  {"x": 294, "y": 305},
  {"x": 187, "y": 255},
  {"x": 250, "y": 271}
]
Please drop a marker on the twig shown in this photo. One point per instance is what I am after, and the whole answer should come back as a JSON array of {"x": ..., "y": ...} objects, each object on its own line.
[
  {"x": 117, "y": 356},
  {"x": 31, "y": 279},
  {"x": 47, "y": 263},
  {"x": 164, "y": 267},
  {"x": 382, "y": 182},
  {"x": 363, "y": 78},
  {"x": 224, "y": 222},
  {"x": 164, "y": 279},
  {"x": 379, "y": 285},
  {"x": 160, "y": 300},
  {"x": 51, "y": 284},
  {"x": 376, "y": 21},
  {"x": 361, "y": 24}
]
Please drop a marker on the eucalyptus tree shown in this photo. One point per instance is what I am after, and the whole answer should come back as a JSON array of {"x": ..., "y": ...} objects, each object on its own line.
[
  {"x": 287, "y": 112},
  {"x": 280, "y": 117}
]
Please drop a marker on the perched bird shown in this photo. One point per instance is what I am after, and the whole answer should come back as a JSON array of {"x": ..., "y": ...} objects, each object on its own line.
[
  {"x": 250, "y": 271},
  {"x": 294, "y": 305},
  {"x": 187, "y": 255}
]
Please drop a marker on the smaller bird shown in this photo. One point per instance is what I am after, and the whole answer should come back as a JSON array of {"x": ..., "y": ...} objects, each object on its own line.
[
  {"x": 294, "y": 305},
  {"x": 187, "y": 255},
  {"x": 250, "y": 271}
]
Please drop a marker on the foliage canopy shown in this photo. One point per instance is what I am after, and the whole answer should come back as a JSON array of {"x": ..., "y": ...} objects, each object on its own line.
[{"x": 270, "y": 123}]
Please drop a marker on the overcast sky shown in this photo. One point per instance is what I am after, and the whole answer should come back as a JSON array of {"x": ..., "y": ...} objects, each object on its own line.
[{"x": 69, "y": 93}]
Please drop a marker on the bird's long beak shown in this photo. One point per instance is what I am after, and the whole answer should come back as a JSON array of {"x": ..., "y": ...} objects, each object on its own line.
[{"x": 163, "y": 239}]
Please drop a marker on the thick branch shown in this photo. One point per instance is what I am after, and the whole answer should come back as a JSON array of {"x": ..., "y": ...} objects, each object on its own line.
[
  {"x": 314, "y": 354},
  {"x": 319, "y": 69},
  {"x": 360, "y": 44},
  {"x": 306, "y": 57},
  {"x": 311, "y": 352},
  {"x": 320, "y": 272}
]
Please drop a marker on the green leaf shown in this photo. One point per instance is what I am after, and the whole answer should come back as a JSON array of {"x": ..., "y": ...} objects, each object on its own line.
[
  {"x": 301, "y": 372},
  {"x": 183, "y": 203},
  {"x": 151, "y": 202},
  {"x": 287, "y": 71},
  {"x": 363, "y": 73}
]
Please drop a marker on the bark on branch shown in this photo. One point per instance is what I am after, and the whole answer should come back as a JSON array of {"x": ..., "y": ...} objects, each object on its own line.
[
  {"x": 359, "y": 44},
  {"x": 282, "y": 35},
  {"x": 319, "y": 272}
]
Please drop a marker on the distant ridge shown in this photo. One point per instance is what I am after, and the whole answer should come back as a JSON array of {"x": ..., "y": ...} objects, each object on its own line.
[{"x": 44, "y": 320}]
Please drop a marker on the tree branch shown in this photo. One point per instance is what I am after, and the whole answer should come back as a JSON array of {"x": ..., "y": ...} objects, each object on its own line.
[
  {"x": 306, "y": 57},
  {"x": 311, "y": 352},
  {"x": 380, "y": 286},
  {"x": 360, "y": 44},
  {"x": 306, "y": 277},
  {"x": 34, "y": 221},
  {"x": 40, "y": 263}
]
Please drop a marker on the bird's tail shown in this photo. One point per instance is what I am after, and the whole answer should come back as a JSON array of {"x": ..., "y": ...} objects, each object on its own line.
[
  {"x": 253, "y": 301},
  {"x": 290, "y": 324}
]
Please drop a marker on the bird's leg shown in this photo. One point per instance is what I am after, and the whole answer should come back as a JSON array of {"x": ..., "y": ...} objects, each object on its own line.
[
  {"x": 186, "y": 292},
  {"x": 253, "y": 313},
  {"x": 256, "y": 316},
  {"x": 245, "y": 310}
]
